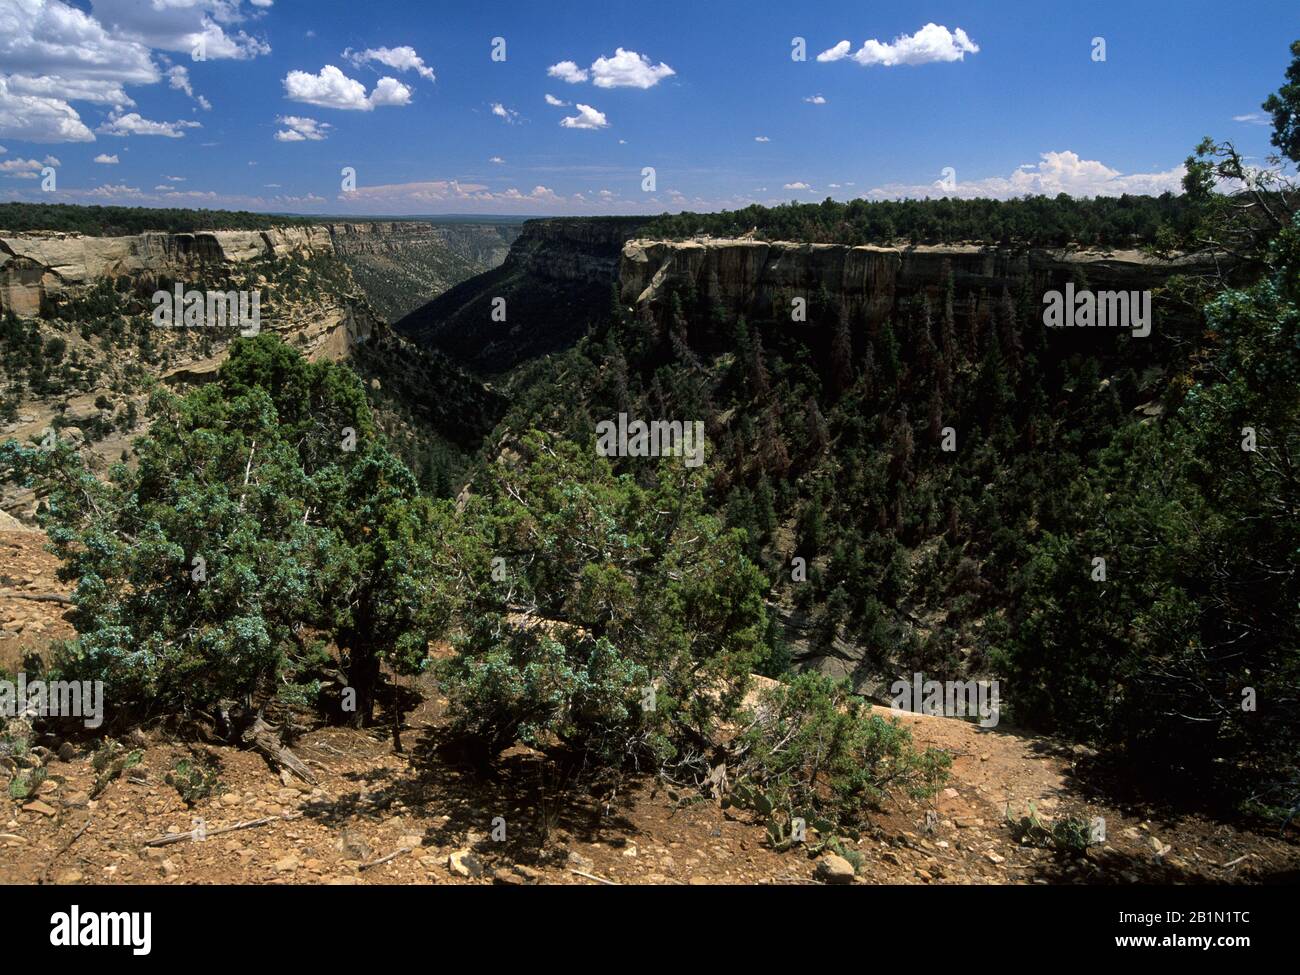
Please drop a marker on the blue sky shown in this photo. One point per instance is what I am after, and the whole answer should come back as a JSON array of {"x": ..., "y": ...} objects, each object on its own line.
[{"x": 287, "y": 94}]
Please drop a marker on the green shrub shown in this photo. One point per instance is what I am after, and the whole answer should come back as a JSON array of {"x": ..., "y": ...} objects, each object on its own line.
[
  {"x": 810, "y": 750},
  {"x": 244, "y": 524},
  {"x": 543, "y": 689},
  {"x": 645, "y": 618},
  {"x": 1186, "y": 658}
]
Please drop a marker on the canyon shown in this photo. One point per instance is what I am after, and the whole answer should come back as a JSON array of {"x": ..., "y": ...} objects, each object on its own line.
[
  {"x": 561, "y": 276},
  {"x": 326, "y": 289}
]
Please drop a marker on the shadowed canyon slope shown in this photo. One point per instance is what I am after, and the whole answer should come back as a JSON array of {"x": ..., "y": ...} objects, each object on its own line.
[{"x": 557, "y": 280}]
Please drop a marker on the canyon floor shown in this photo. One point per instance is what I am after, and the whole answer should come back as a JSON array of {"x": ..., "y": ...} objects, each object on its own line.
[{"x": 422, "y": 817}]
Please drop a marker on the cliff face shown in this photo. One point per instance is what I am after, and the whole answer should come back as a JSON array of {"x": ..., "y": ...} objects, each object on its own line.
[
  {"x": 403, "y": 265},
  {"x": 573, "y": 250},
  {"x": 558, "y": 277},
  {"x": 759, "y": 279},
  {"x": 36, "y": 267},
  {"x": 556, "y": 280}
]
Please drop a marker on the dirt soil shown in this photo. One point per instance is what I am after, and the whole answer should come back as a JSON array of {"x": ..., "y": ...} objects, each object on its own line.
[{"x": 438, "y": 816}]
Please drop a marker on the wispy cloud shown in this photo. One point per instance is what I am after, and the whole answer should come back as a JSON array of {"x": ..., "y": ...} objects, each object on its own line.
[
  {"x": 401, "y": 58},
  {"x": 133, "y": 124},
  {"x": 300, "y": 129},
  {"x": 508, "y": 115}
]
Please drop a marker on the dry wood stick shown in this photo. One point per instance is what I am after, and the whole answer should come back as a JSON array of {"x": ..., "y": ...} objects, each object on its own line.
[
  {"x": 169, "y": 838},
  {"x": 592, "y": 876},
  {"x": 391, "y": 856},
  {"x": 62, "y": 850}
]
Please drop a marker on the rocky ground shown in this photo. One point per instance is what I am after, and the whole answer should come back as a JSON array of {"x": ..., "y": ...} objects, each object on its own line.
[{"x": 420, "y": 817}]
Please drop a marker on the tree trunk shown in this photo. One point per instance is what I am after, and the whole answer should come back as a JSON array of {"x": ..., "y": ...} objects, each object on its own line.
[{"x": 363, "y": 675}]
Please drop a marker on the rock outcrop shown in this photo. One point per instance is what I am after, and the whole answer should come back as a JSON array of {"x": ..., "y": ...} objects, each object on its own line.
[
  {"x": 483, "y": 240},
  {"x": 760, "y": 279},
  {"x": 37, "y": 266}
]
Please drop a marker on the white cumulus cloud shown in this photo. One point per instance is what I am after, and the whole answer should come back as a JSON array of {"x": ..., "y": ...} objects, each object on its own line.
[
  {"x": 185, "y": 25},
  {"x": 106, "y": 159},
  {"x": 840, "y": 50},
  {"x": 567, "y": 71},
  {"x": 53, "y": 53},
  {"x": 331, "y": 88},
  {"x": 71, "y": 89},
  {"x": 931, "y": 43},
  {"x": 34, "y": 118},
  {"x": 627, "y": 69},
  {"x": 622, "y": 69},
  {"x": 587, "y": 118},
  {"x": 25, "y": 168}
]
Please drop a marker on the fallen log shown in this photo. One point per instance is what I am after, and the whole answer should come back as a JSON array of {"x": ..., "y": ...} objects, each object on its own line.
[{"x": 266, "y": 740}]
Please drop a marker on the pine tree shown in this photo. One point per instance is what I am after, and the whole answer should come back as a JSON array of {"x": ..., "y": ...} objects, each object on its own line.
[{"x": 841, "y": 373}]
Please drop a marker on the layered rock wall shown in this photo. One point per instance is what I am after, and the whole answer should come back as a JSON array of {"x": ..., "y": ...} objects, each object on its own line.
[
  {"x": 759, "y": 279},
  {"x": 38, "y": 266}
]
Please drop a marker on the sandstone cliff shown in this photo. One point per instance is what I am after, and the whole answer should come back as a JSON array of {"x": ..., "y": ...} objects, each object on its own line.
[
  {"x": 864, "y": 284},
  {"x": 560, "y": 274},
  {"x": 36, "y": 267}
]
